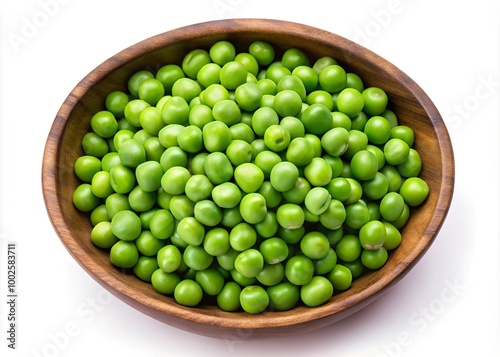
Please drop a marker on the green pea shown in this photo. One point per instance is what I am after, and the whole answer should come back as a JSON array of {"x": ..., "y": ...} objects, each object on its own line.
[
  {"x": 299, "y": 269},
  {"x": 262, "y": 51},
  {"x": 169, "y": 258},
  {"x": 126, "y": 225},
  {"x": 188, "y": 293},
  {"x": 315, "y": 245},
  {"x": 377, "y": 187},
  {"x": 262, "y": 119},
  {"x": 194, "y": 61},
  {"x": 162, "y": 224},
  {"x": 210, "y": 280},
  {"x": 254, "y": 299},
  {"x": 198, "y": 187},
  {"x": 104, "y": 124},
  {"x": 300, "y": 152},
  {"x": 102, "y": 235},
  {"x": 290, "y": 216},
  {"x": 101, "y": 185},
  {"x": 404, "y": 133},
  {"x": 348, "y": 248},
  {"x": 340, "y": 277},
  {"x": 149, "y": 176},
  {"x": 283, "y": 176},
  {"x": 207, "y": 213},
  {"x": 272, "y": 196},
  {"x": 357, "y": 141},
  {"x": 249, "y": 177},
  {"x": 318, "y": 172},
  {"x": 378, "y": 130},
  {"x": 115, "y": 102},
  {"x": 276, "y": 71},
  {"x": 253, "y": 208},
  {"x": 276, "y": 138},
  {"x": 335, "y": 141},
  {"x": 175, "y": 111},
  {"x": 168, "y": 135},
  {"x": 414, "y": 191},
  {"x": 99, "y": 214},
  {"x": 149, "y": 245},
  {"x": 357, "y": 214},
  {"x": 317, "y": 200},
  {"x": 226, "y": 195},
  {"x": 124, "y": 254},
  {"x": 216, "y": 241},
  {"x": 372, "y": 235},
  {"x": 339, "y": 188},
  {"x": 332, "y": 78},
  {"x": 334, "y": 216},
  {"x": 174, "y": 180},
  {"x": 317, "y": 119},
  {"x": 229, "y": 297},
  {"x": 181, "y": 206},
  {"x": 197, "y": 163},
  {"x": 195, "y": 257},
  {"x": 168, "y": 75},
  {"x": 233, "y": 74},
  {"x": 216, "y": 136},
  {"x": 242, "y": 237},
  {"x": 248, "y": 96},
  {"x": 327, "y": 263},
  {"x": 242, "y": 131},
  {"x": 393, "y": 176},
  {"x": 164, "y": 283},
  {"x": 412, "y": 166},
  {"x": 226, "y": 260},
  {"x": 396, "y": 151},
  {"x": 249, "y": 263},
  {"x": 94, "y": 145},
  {"x": 308, "y": 77},
  {"x": 200, "y": 115},
  {"x": 392, "y": 206},
  {"x": 393, "y": 236},
  {"x": 86, "y": 167},
  {"x": 316, "y": 292},
  {"x": 375, "y": 101},
  {"x": 364, "y": 165},
  {"x": 374, "y": 259},
  {"x": 115, "y": 203},
  {"x": 283, "y": 296},
  {"x": 218, "y": 168},
  {"x": 355, "y": 81},
  {"x": 268, "y": 226}
]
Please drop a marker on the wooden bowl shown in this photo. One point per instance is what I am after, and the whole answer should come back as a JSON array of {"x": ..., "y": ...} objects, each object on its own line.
[{"x": 408, "y": 101}]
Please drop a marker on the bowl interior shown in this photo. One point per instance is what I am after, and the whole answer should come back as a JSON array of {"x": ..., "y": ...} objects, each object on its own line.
[{"x": 407, "y": 100}]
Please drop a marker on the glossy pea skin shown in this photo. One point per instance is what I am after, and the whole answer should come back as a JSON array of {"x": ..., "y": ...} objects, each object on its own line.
[
  {"x": 357, "y": 214},
  {"x": 126, "y": 225},
  {"x": 339, "y": 188},
  {"x": 315, "y": 245},
  {"x": 94, "y": 145},
  {"x": 218, "y": 168},
  {"x": 249, "y": 177},
  {"x": 248, "y": 96},
  {"x": 414, "y": 191},
  {"x": 378, "y": 130},
  {"x": 268, "y": 226},
  {"x": 334, "y": 216},
  {"x": 145, "y": 267},
  {"x": 316, "y": 292},
  {"x": 216, "y": 241},
  {"x": 210, "y": 280},
  {"x": 396, "y": 151},
  {"x": 392, "y": 206},
  {"x": 190, "y": 139},
  {"x": 317, "y": 200},
  {"x": 372, "y": 235},
  {"x": 290, "y": 216},
  {"x": 377, "y": 187},
  {"x": 86, "y": 167},
  {"x": 374, "y": 259},
  {"x": 277, "y": 137},
  {"x": 195, "y": 257},
  {"x": 263, "y": 52},
  {"x": 348, "y": 248},
  {"x": 300, "y": 152},
  {"x": 283, "y": 176},
  {"x": 242, "y": 237},
  {"x": 191, "y": 231},
  {"x": 228, "y": 298},
  {"x": 350, "y": 102},
  {"x": 297, "y": 194},
  {"x": 207, "y": 213},
  {"x": 375, "y": 101},
  {"x": 253, "y": 208},
  {"x": 412, "y": 166},
  {"x": 115, "y": 102},
  {"x": 102, "y": 235},
  {"x": 274, "y": 250},
  {"x": 249, "y": 263},
  {"x": 266, "y": 160},
  {"x": 335, "y": 141},
  {"x": 340, "y": 277},
  {"x": 364, "y": 165},
  {"x": 299, "y": 270},
  {"x": 393, "y": 236},
  {"x": 124, "y": 254},
  {"x": 317, "y": 119},
  {"x": 271, "y": 274},
  {"x": 216, "y": 136},
  {"x": 283, "y": 296},
  {"x": 254, "y": 299},
  {"x": 332, "y": 78},
  {"x": 188, "y": 293},
  {"x": 164, "y": 283},
  {"x": 198, "y": 187},
  {"x": 271, "y": 195},
  {"x": 161, "y": 224},
  {"x": 226, "y": 195},
  {"x": 318, "y": 172}
]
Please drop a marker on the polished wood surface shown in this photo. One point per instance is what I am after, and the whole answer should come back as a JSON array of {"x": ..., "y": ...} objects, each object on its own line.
[{"x": 408, "y": 101}]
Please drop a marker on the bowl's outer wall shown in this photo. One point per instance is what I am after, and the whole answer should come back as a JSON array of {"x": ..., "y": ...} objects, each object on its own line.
[{"x": 407, "y": 100}]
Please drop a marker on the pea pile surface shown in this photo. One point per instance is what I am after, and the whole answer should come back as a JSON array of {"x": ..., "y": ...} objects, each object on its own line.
[{"x": 250, "y": 180}]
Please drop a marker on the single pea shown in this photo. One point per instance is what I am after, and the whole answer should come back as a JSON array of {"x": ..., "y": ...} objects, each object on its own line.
[
  {"x": 175, "y": 111},
  {"x": 164, "y": 283},
  {"x": 151, "y": 90},
  {"x": 277, "y": 138},
  {"x": 258, "y": 146},
  {"x": 356, "y": 191},
  {"x": 339, "y": 188},
  {"x": 115, "y": 102},
  {"x": 308, "y": 77},
  {"x": 141, "y": 136},
  {"x": 403, "y": 219},
  {"x": 242, "y": 131},
  {"x": 231, "y": 217},
  {"x": 375, "y": 101},
  {"x": 249, "y": 177},
  {"x": 271, "y": 274},
  {"x": 335, "y": 141},
  {"x": 262, "y": 119},
  {"x": 320, "y": 96},
  {"x": 124, "y": 254},
  {"x": 86, "y": 167},
  {"x": 195, "y": 257},
  {"x": 226, "y": 260},
  {"x": 377, "y": 187},
  {"x": 168, "y": 135},
  {"x": 299, "y": 269},
  {"x": 283, "y": 296},
  {"x": 249, "y": 263},
  {"x": 393, "y": 236},
  {"x": 404, "y": 133},
  {"x": 336, "y": 164},
  {"x": 181, "y": 206},
  {"x": 356, "y": 267},
  {"x": 283, "y": 176},
  {"x": 276, "y": 72},
  {"x": 318, "y": 172},
  {"x": 263, "y": 52},
  {"x": 149, "y": 175},
  {"x": 251, "y": 64},
  {"x": 268, "y": 226},
  {"x": 293, "y": 83},
  {"x": 378, "y": 130},
  {"x": 357, "y": 214},
  {"x": 317, "y": 200},
  {"x": 190, "y": 139},
  {"x": 326, "y": 264},
  {"x": 297, "y": 194},
  {"x": 294, "y": 127},
  {"x": 374, "y": 259},
  {"x": 216, "y": 136},
  {"x": 226, "y": 195},
  {"x": 213, "y": 94},
  {"x": 334, "y": 216},
  {"x": 207, "y": 213},
  {"x": 355, "y": 81},
  {"x": 191, "y": 231},
  {"x": 266, "y": 160},
  {"x": 136, "y": 79},
  {"x": 315, "y": 245},
  {"x": 94, "y": 145},
  {"x": 169, "y": 258},
  {"x": 253, "y": 208},
  {"x": 132, "y": 153},
  {"x": 267, "y": 86},
  {"x": 227, "y": 111},
  {"x": 218, "y": 168},
  {"x": 174, "y": 180},
  {"x": 357, "y": 141},
  {"x": 364, "y": 165},
  {"x": 101, "y": 184},
  {"x": 104, "y": 124},
  {"x": 228, "y": 298},
  {"x": 340, "y": 277},
  {"x": 84, "y": 199},
  {"x": 193, "y": 61},
  {"x": 216, "y": 241},
  {"x": 350, "y": 102},
  {"x": 197, "y": 163},
  {"x": 115, "y": 203},
  {"x": 332, "y": 78},
  {"x": 272, "y": 196},
  {"x": 290, "y": 216},
  {"x": 162, "y": 224},
  {"x": 392, "y": 206},
  {"x": 210, "y": 280},
  {"x": 200, "y": 115},
  {"x": 248, "y": 96},
  {"x": 126, "y": 225},
  {"x": 149, "y": 245},
  {"x": 372, "y": 235},
  {"x": 102, "y": 235},
  {"x": 414, "y": 191},
  {"x": 341, "y": 120},
  {"x": 412, "y": 166},
  {"x": 348, "y": 248},
  {"x": 222, "y": 52},
  {"x": 198, "y": 187},
  {"x": 99, "y": 214},
  {"x": 322, "y": 62},
  {"x": 242, "y": 236},
  {"x": 393, "y": 176},
  {"x": 379, "y": 154},
  {"x": 317, "y": 119},
  {"x": 173, "y": 156},
  {"x": 233, "y": 74},
  {"x": 274, "y": 250},
  {"x": 316, "y": 292},
  {"x": 188, "y": 293},
  {"x": 254, "y": 299},
  {"x": 241, "y": 280}
]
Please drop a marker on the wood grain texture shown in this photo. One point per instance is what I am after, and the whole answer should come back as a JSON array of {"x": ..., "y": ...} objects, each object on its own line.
[{"x": 408, "y": 101}]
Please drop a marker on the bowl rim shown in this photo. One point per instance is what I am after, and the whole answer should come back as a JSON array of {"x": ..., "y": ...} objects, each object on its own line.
[{"x": 236, "y": 320}]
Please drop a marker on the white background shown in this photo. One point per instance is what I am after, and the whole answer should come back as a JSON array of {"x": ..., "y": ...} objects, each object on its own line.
[{"x": 447, "y": 305}]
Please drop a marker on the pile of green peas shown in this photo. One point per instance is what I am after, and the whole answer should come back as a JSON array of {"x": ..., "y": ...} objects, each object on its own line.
[{"x": 248, "y": 180}]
